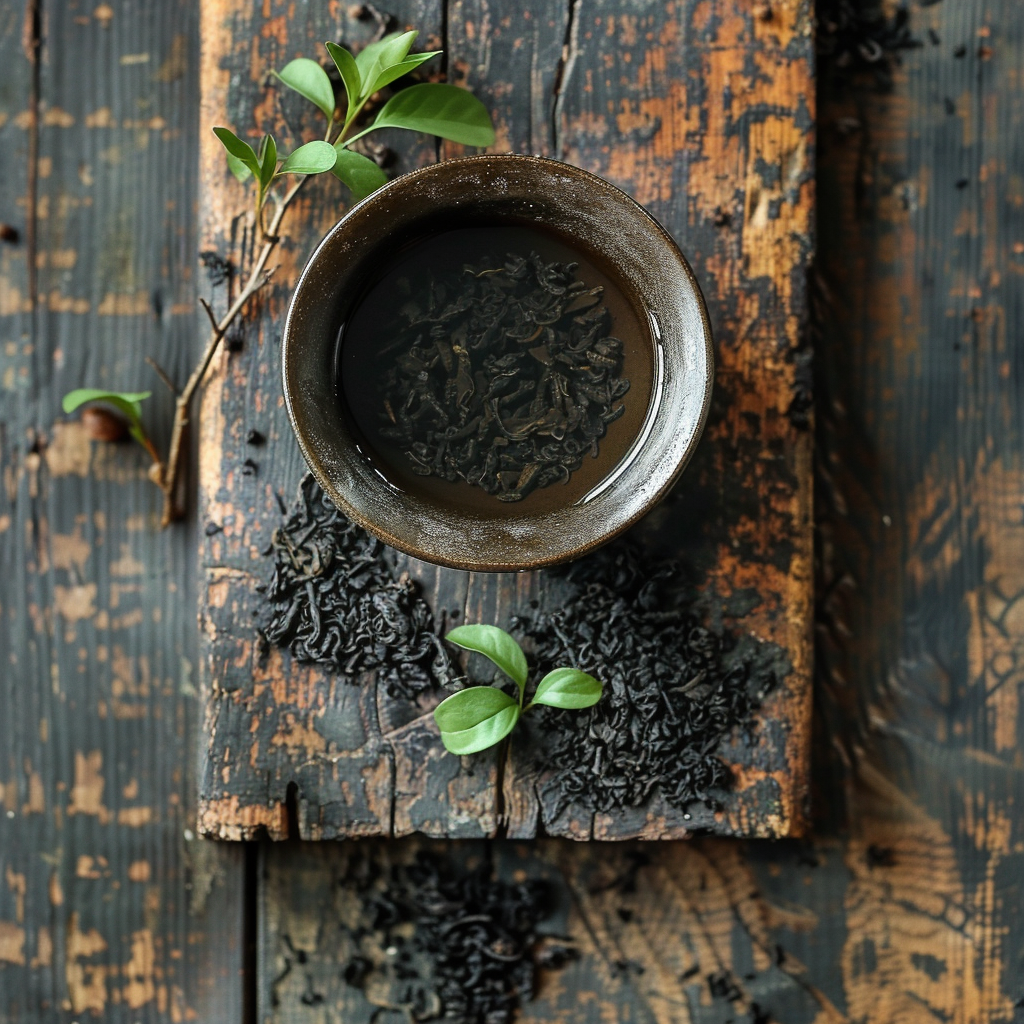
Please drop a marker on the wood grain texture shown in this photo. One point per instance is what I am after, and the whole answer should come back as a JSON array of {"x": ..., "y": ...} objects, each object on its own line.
[
  {"x": 921, "y": 469},
  {"x": 904, "y": 904},
  {"x": 705, "y": 114},
  {"x": 107, "y": 899}
]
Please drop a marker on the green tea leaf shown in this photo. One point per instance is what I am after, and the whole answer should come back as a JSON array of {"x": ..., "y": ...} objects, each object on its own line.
[
  {"x": 268, "y": 161},
  {"x": 387, "y": 75},
  {"x": 312, "y": 158},
  {"x": 349, "y": 71},
  {"x": 310, "y": 80},
  {"x": 241, "y": 151},
  {"x": 466, "y": 708},
  {"x": 474, "y": 719},
  {"x": 439, "y": 109},
  {"x": 127, "y": 403},
  {"x": 392, "y": 49},
  {"x": 359, "y": 173},
  {"x": 567, "y": 688},
  {"x": 498, "y": 646},
  {"x": 237, "y": 168}
]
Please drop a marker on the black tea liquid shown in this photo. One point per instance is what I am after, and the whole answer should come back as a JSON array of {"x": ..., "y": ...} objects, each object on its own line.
[{"x": 495, "y": 369}]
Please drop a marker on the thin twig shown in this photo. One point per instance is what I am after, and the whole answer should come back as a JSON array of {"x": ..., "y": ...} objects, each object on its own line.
[
  {"x": 168, "y": 472},
  {"x": 209, "y": 312},
  {"x": 162, "y": 374}
]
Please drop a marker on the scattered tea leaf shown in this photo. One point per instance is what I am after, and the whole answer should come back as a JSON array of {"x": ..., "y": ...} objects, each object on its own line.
[
  {"x": 330, "y": 590},
  {"x": 674, "y": 691},
  {"x": 469, "y": 944},
  {"x": 310, "y": 80}
]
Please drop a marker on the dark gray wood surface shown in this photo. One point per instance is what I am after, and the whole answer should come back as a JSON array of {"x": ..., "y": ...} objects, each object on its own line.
[
  {"x": 110, "y": 907},
  {"x": 905, "y": 903}
]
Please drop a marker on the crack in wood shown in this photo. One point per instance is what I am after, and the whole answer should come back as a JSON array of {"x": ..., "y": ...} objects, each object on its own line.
[
  {"x": 563, "y": 72},
  {"x": 32, "y": 42}
]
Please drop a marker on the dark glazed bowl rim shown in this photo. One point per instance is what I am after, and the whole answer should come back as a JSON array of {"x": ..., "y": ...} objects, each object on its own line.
[{"x": 582, "y": 207}]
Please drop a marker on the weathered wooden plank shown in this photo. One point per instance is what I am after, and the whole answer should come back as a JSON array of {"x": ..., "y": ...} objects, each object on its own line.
[
  {"x": 26, "y": 933},
  {"x": 106, "y": 897},
  {"x": 560, "y": 83},
  {"x": 921, "y": 450}
]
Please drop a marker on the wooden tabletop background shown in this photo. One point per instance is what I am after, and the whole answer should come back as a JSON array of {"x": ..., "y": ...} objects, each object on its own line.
[{"x": 904, "y": 904}]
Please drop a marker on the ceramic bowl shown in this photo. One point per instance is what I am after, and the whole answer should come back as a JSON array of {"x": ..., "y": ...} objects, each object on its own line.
[{"x": 591, "y": 215}]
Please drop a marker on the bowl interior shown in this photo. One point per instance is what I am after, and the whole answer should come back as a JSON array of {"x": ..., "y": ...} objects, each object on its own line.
[{"x": 592, "y": 217}]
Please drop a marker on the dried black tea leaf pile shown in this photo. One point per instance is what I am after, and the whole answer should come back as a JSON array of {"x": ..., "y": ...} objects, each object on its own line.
[
  {"x": 333, "y": 600},
  {"x": 458, "y": 944},
  {"x": 672, "y": 693},
  {"x": 504, "y": 375}
]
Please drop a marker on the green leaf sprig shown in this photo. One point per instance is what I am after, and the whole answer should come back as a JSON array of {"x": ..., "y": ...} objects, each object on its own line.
[
  {"x": 432, "y": 107},
  {"x": 481, "y": 716}
]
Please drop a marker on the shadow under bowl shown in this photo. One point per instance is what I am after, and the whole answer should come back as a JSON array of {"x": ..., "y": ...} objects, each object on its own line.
[{"x": 591, "y": 217}]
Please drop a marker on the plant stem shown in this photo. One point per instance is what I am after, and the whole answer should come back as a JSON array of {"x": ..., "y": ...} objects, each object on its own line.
[
  {"x": 359, "y": 135},
  {"x": 167, "y": 473}
]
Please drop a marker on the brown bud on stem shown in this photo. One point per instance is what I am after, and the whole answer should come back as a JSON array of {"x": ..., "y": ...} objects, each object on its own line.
[{"x": 104, "y": 425}]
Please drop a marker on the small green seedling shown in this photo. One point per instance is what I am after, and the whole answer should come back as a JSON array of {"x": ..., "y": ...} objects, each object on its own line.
[
  {"x": 127, "y": 404},
  {"x": 481, "y": 716}
]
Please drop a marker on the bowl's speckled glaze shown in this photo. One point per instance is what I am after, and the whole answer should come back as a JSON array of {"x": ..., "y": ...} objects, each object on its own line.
[{"x": 477, "y": 190}]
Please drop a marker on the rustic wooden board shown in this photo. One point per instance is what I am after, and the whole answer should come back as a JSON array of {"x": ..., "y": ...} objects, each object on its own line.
[
  {"x": 705, "y": 113},
  {"x": 110, "y": 906},
  {"x": 905, "y": 905}
]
